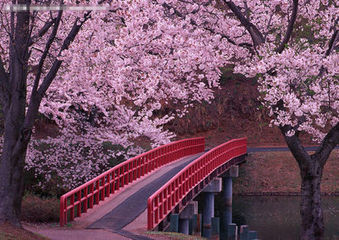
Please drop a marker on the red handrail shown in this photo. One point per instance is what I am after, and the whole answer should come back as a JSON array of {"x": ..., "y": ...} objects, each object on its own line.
[
  {"x": 163, "y": 201},
  {"x": 89, "y": 194}
]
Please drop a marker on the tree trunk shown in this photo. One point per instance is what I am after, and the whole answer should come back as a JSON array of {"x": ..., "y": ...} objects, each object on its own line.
[
  {"x": 311, "y": 170},
  {"x": 19, "y": 122},
  {"x": 16, "y": 135},
  {"x": 312, "y": 224},
  {"x": 11, "y": 184},
  {"x": 16, "y": 139},
  {"x": 12, "y": 163}
]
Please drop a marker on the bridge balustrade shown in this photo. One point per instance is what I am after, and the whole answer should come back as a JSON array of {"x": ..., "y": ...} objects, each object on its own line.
[
  {"x": 162, "y": 202},
  {"x": 84, "y": 197}
]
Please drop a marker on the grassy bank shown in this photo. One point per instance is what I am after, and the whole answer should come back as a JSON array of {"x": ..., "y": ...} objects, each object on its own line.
[{"x": 278, "y": 172}]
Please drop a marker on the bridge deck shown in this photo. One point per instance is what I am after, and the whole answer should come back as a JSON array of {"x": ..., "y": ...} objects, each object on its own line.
[{"x": 116, "y": 213}]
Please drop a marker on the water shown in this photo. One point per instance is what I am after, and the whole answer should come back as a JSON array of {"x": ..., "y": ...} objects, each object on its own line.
[{"x": 277, "y": 217}]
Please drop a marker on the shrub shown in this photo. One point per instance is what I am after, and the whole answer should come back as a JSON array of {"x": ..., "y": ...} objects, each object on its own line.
[{"x": 37, "y": 209}]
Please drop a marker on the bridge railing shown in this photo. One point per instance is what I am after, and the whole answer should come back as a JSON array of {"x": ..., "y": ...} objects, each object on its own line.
[
  {"x": 79, "y": 200},
  {"x": 163, "y": 201}
]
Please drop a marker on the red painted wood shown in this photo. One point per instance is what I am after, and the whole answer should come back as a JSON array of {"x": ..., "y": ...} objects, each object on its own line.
[
  {"x": 181, "y": 184},
  {"x": 98, "y": 188}
]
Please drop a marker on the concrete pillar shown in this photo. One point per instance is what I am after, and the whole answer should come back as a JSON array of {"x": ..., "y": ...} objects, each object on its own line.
[
  {"x": 174, "y": 223},
  {"x": 192, "y": 223},
  {"x": 207, "y": 214},
  {"x": 208, "y": 207},
  {"x": 186, "y": 215},
  {"x": 252, "y": 235},
  {"x": 231, "y": 173},
  {"x": 227, "y": 191},
  {"x": 227, "y": 224},
  {"x": 227, "y": 197},
  {"x": 215, "y": 226},
  {"x": 195, "y": 224},
  {"x": 184, "y": 226},
  {"x": 199, "y": 223},
  {"x": 232, "y": 232},
  {"x": 243, "y": 232},
  {"x": 226, "y": 219}
]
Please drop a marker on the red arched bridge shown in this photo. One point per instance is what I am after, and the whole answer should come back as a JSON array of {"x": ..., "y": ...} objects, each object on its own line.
[{"x": 169, "y": 195}]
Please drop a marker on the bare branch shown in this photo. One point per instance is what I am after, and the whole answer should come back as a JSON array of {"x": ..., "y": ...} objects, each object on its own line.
[
  {"x": 331, "y": 46},
  {"x": 57, "y": 63},
  {"x": 333, "y": 42},
  {"x": 295, "y": 146},
  {"x": 289, "y": 27},
  {"x": 256, "y": 35},
  {"x": 4, "y": 83},
  {"x": 38, "y": 93},
  {"x": 268, "y": 25},
  {"x": 244, "y": 45},
  {"x": 247, "y": 10},
  {"x": 330, "y": 141},
  {"x": 46, "y": 51},
  {"x": 180, "y": 15},
  {"x": 42, "y": 31}
]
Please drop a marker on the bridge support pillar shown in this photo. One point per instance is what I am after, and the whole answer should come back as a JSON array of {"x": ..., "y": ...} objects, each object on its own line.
[
  {"x": 186, "y": 215},
  {"x": 227, "y": 198},
  {"x": 208, "y": 208},
  {"x": 231, "y": 173},
  {"x": 184, "y": 225},
  {"x": 174, "y": 223}
]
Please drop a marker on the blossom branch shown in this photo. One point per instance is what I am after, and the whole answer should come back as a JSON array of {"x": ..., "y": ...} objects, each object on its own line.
[
  {"x": 330, "y": 141},
  {"x": 294, "y": 144},
  {"x": 45, "y": 52},
  {"x": 42, "y": 31},
  {"x": 57, "y": 63},
  {"x": 289, "y": 27},
  {"x": 256, "y": 35}
]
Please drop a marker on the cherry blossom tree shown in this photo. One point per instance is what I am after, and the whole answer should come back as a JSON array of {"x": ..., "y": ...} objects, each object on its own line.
[
  {"x": 296, "y": 59},
  {"x": 292, "y": 47},
  {"x": 101, "y": 76}
]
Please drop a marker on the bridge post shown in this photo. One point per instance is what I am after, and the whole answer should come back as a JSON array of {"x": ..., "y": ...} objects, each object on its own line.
[
  {"x": 174, "y": 223},
  {"x": 227, "y": 198},
  {"x": 208, "y": 209},
  {"x": 243, "y": 232},
  {"x": 186, "y": 215},
  {"x": 227, "y": 178}
]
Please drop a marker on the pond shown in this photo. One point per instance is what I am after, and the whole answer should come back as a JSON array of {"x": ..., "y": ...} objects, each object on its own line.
[{"x": 277, "y": 217}]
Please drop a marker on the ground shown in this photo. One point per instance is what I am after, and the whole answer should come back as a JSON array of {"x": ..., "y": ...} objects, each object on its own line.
[{"x": 7, "y": 232}]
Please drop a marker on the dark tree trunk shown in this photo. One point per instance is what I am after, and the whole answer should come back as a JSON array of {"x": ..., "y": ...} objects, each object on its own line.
[
  {"x": 312, "y": 224},
  {"x": 19, "y": 121},
  {"x": 311, "y": 169},
  {"x": 16, "y": 137},
  {"x": 11, "y": 178}
]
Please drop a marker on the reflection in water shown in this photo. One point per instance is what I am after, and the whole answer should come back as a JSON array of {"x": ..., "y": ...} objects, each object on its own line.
[{"x": 278, "y": 218}]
